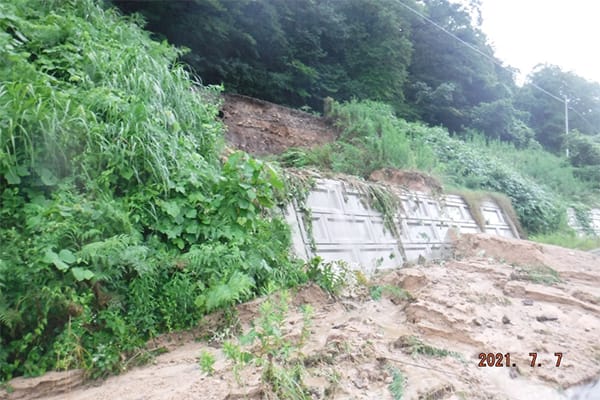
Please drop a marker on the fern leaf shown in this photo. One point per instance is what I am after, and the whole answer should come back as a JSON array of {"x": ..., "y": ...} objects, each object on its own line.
[
  {"x": 238, "y": 287},
  {"x": 8, "y": 317}
]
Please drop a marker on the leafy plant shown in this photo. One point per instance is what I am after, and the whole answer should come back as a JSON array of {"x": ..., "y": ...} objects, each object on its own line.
[
  {"x": 113, "y": 196},
  {"x": 376, "y": 292},
  {"x": 396, "y": 387},
  {"x": 207, "y": 362},
  {"x": 331, "y": 276},
  {"x": 282, "y": 374}
]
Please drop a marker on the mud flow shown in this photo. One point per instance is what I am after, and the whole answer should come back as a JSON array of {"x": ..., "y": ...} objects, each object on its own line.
[{"x": 461, "y": 328}]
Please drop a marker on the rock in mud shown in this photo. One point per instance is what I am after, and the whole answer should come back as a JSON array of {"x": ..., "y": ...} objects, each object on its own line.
[{"x": 544, "y": 318}]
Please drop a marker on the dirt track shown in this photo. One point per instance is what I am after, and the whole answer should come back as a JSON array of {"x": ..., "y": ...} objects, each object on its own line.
[{"x": 481, "y": 301}]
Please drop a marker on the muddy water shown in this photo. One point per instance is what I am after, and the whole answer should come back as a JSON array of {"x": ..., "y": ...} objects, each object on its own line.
[
  {"x": 591, "y": 391},
  {"x": 524, "y": 389}
]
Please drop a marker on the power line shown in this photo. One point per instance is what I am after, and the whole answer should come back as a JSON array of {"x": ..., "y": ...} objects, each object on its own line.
[{"x": 492, "y": 59}]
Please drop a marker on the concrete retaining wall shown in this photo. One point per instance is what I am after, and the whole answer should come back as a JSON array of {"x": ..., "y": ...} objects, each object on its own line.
[
  {"x": 344, "y": 228},
  {"x": 594, "y": 219}
]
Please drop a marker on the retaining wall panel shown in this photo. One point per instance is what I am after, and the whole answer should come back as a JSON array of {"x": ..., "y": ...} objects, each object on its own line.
[
  {"x": 594, "y": 218},
  {"x": 345, "y": 229}
]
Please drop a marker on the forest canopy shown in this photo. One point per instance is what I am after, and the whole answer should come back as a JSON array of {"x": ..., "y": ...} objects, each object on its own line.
[{"x": 430, "y": 60}]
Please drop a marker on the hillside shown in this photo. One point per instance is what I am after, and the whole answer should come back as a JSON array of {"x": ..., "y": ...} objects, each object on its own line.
[
  {"x": 127, "y": 228},
  {"x": 363, "y": 138},
  {"x": 261, "y": 128}
]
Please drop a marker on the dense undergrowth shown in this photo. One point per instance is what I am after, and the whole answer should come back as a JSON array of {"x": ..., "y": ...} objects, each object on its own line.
[
  {"x": 117, "y": 220},
  {"x": 373, "y": 137}
]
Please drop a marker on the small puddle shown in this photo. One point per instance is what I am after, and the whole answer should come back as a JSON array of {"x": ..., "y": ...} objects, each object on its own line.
[
  {"x": 524, "y": 389},
  {"x": 589, "y": 391}
]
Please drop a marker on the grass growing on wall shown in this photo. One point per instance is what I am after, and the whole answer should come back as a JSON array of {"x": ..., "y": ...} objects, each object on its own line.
[
  {"x": 474, "y": 200},
  {"x": 373, "y": 138}
]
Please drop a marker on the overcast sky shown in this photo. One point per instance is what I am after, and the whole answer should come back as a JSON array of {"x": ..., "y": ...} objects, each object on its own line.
[{"x": 525, "y": 33}]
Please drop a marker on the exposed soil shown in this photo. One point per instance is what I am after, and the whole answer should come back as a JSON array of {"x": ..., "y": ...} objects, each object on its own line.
[
  {"x": 259, "y": 127},
  {"x": 485, "y": 299},
  {"x": 410, "y": 180}
]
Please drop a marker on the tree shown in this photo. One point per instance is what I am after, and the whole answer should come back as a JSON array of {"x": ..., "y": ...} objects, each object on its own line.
[
  {"x": 500, "y": 120},
  {"x": 446, "y": 77},
  {"x": 547, "y": 112},
  {"x": 291, "y": 52}
]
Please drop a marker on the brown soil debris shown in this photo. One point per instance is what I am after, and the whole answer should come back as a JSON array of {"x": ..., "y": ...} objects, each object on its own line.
[
  {"x": 259, "y": 127},
  {"x": 411, "y": 180}
]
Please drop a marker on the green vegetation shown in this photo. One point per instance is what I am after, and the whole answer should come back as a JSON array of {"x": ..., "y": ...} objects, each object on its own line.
[
  {"x": 207, "y": 362},
  {"x": 290, "y": 52},
  {"x": 415, "y": 346},
  {"x": 330, "y": 276},
  {"x": 394, "y": 292},
  {"x": 538, "y": 274},
  {"x": 372, "y": 138},
  {"x": 464, "y": 165},
  {"x": 396, "y": 387},
  {"x": 117, "y": 221},
  {"x": 570, "y": 240},
  {"x": 282, "y": 369}
]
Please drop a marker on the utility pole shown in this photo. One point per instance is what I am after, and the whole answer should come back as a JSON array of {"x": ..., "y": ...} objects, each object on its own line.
[{"x": 567, "y": 123}]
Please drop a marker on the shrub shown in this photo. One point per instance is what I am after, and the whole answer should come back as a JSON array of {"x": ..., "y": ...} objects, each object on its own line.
[
  {"x": 466, "y": 165},
  {"x": 117, "y": 221},
  {"x": 373, "y": 137}
]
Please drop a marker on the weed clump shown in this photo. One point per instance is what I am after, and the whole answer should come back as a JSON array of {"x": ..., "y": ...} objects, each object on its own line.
[
  {"x": 266, "y": 345},
  {"x": 414, "y": 346},
  {"x": 396, "y": 387},
  {"x": 537, "y": 274}
]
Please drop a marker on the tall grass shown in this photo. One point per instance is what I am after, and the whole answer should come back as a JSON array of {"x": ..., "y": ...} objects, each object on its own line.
[
  {"x": 117, "y": 221},
  {"x": 73, "y": 111},
  {"x": 372, "y": 137},
  {"x": 554, "y": 172}
]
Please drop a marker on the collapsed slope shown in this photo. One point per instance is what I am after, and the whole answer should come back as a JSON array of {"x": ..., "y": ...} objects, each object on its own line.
[
  {"x": 495, "y": 295},
  {"x": 371, "y": 137},
  {"x": 259, "y": 127}
]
